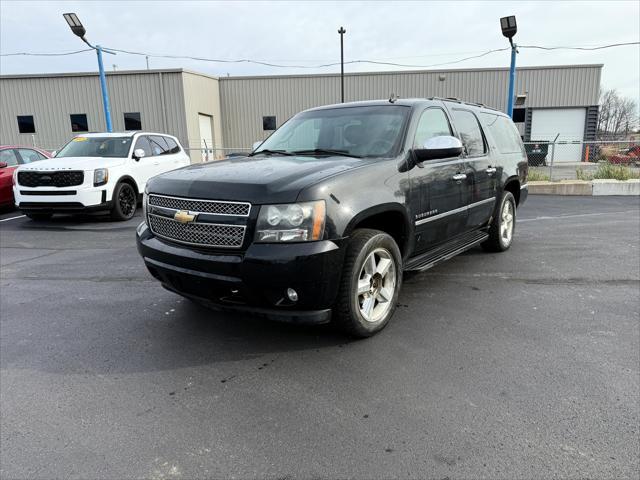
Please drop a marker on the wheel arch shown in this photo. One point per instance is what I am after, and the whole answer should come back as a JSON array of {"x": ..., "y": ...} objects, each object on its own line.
[
  {"x": 513, "y": 185},
  {"x": 130, "y": 180},
  {"x": 391, "y": 218}
]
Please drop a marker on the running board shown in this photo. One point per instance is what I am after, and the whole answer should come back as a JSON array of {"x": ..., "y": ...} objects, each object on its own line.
[{"x": 445, "y": 252}]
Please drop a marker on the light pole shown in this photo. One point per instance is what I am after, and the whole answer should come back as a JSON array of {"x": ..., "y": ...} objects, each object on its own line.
[
  {"x": 509, "y": 29},
  {"x": 342, "y": 31},
  {"x": 78, "y": 29}
]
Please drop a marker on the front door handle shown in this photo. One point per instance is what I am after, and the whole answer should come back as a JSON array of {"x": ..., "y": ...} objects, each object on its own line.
[
  {"x": 459, "y": 176},
  {"x": 491, "y": 170}
]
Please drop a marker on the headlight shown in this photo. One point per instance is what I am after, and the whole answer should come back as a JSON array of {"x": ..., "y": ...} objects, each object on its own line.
[
  {"x": 100, "y": 176},
  {"x": 295, "y": 222},
  {"x": 14, "y": 177}
]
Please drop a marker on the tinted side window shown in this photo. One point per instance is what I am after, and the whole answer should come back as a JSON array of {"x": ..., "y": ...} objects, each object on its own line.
[
  {"x": 143, "y": 143},
  {"x": 503, "y": 132},
  {"x": 172, "y": 144},
  {"x": 433, "y": 123},
  {"x": 158, "y": 145},
  {"x": 29, "y": 155},
  {"x": 9, "y": 157},
  {"x": 470, "y": 132}
]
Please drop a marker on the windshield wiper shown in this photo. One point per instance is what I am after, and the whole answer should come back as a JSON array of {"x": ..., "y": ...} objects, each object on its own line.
[
  {"x": 271, "y": 152},
  {"x": 324, "y": 151}
]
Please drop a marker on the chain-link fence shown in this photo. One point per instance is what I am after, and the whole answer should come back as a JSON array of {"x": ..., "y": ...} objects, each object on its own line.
[{"x": 560, "y": 160}]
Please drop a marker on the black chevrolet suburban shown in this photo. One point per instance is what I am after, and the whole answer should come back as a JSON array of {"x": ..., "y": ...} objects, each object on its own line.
[{"x": 319, "y": 222}]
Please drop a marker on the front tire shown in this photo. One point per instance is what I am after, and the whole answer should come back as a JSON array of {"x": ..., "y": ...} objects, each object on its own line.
[
  {"x": 370, "y": 284},
  {"x": 503, "y": 225},
  {"x": 125, "y": 202}
]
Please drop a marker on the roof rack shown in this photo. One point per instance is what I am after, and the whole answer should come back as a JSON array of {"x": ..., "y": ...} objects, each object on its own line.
[{"x": 457, "y": 100}]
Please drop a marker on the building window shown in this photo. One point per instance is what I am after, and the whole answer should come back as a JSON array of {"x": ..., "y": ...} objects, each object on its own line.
[
  {"x": 79, "y": 122},
  {"x": 269, "y": 123},
  {"x": 518, "y": 115},
  {"x": 132, "y": 121},
  {"x": 26, "y": 124}
]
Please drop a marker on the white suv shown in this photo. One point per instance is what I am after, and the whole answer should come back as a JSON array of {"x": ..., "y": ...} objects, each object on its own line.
[{"x": 96, "y": 172}]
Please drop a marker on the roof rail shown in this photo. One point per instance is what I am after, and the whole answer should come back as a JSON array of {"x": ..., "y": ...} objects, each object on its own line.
[{"x": 457, "y": 100}]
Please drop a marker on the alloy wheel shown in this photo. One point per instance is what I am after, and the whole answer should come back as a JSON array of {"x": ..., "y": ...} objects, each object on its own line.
[{"x": 376, "y": 285}]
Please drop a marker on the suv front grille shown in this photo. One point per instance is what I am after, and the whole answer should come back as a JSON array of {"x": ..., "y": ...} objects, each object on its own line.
[
  {"x": 216, "y": 207},
  {"x": 65, "y": 178},
  {"x": 201, "y": 234}
]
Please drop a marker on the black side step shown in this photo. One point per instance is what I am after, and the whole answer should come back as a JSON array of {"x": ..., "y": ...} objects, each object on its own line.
[{"x": 446, "y": 251}]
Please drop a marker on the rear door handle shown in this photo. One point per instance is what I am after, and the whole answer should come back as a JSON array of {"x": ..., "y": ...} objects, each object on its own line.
[
  {"x": 459, "y": 176},
  {"x": 491, "y": 170}
]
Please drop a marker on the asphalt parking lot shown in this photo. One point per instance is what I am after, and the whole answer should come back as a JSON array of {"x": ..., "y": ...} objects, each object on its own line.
[{"x": 516, "y": 365}]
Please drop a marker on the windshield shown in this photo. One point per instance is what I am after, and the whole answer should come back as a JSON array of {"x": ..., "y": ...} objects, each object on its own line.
[
  {"x": 116, "y": 147},
  {"x": 373, "y": 131}
]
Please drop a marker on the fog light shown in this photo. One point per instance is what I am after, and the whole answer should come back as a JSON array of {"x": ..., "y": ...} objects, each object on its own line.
[{"x": 292, "y": 294}]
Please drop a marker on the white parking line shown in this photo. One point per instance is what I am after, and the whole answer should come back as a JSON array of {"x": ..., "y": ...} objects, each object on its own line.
[
  {"x": 574, "y": 216},
  {"x": 12, "y": 218}
]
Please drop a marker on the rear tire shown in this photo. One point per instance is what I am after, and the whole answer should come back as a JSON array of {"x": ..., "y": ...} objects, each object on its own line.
[
  {"x": 503, "y": 225},
  {"x": 39, "y": 217},
  {"x": 370, "y": 283},
  {"x": 125, "y": 202}
]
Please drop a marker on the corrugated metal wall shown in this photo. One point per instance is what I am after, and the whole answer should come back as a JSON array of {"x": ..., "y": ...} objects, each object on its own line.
[
  {"x": 51, "y": 99},
  {"x": 245, "y": 100}
]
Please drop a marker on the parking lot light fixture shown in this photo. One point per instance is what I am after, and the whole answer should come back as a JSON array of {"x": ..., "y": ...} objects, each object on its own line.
[
  {"x": 78, "y": 29},
  {"x": 509, "y": 29}
]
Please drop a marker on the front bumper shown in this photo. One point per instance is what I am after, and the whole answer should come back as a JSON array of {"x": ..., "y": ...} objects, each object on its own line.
[
  {"x": 254, "y": 281},
  {"x": 67, "y": 199}
]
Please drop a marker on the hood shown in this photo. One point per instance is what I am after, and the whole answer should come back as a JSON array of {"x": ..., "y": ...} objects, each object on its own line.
[
  {"x": 73, "y": 163},
  {"x": 259, "y": 180}
]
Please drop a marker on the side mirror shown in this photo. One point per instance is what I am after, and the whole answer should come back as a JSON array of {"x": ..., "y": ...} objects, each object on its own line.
[
  {"x": 4, "y": 164},
  {"x": 138, "y": 153},
  {"x": 439, "y": 147},
  {"x": 255, "y": 145}
]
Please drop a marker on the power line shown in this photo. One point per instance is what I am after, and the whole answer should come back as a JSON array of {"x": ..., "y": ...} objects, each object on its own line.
[
  {"x": 324, "y": 65},
  {"x": 580, "y": 48},
  {"x": 51, "y": 54}
]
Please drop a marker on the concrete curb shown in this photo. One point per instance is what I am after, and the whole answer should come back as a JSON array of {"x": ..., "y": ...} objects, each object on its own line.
[{"x": 584, "y": 187}]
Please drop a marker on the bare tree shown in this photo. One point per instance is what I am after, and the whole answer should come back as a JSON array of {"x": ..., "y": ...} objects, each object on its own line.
[{"x": 618, "y": 115}]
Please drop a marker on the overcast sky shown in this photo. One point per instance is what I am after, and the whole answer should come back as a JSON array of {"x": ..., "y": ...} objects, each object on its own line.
[{"x": 305, "y": 33}]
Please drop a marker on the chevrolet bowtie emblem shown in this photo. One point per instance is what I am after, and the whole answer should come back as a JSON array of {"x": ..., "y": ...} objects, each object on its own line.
[{"x": 184, "y": 217}]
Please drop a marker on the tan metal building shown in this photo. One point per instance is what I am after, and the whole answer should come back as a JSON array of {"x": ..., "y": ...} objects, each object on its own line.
[
  {"x": 233, "y": 112},
  {"x": 48, "y": 109}
]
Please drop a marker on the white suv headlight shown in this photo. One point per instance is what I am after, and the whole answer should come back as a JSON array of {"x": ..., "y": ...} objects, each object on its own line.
[
  {"x": 100, "y": 176},
  {"x": 294, "y": 222}
]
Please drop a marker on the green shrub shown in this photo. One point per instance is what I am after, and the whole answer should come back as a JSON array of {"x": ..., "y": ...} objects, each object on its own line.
[
  {"x": 615, "y": 172},
  {"x": 537, "y": 176}
]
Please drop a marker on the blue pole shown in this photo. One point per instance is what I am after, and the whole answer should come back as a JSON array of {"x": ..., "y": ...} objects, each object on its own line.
[
  {"x": 105, "y": 93},
  {"x": 512, "y": 81}
]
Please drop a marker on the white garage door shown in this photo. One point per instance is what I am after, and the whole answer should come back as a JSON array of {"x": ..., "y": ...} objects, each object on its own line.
[
  {"x": 568, "y": 123},
  {"x": 205, "y": 122}
]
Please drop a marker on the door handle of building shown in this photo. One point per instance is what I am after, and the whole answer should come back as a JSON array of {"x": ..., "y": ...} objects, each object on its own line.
[
  {"x": 459, "y": 176},
  {"x": 491, "y": 170}
]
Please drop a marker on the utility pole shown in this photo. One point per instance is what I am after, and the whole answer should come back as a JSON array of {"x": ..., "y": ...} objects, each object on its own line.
[
  {"x": 147, "y": 58},
  {"x": 342, "y": 31},
  {"x": 509, "y": 29},
  {"x": 78, "y": 29}
]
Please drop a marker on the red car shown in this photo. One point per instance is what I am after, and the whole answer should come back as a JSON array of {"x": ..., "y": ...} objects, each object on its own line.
[{"x": 11, "y": 156}]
